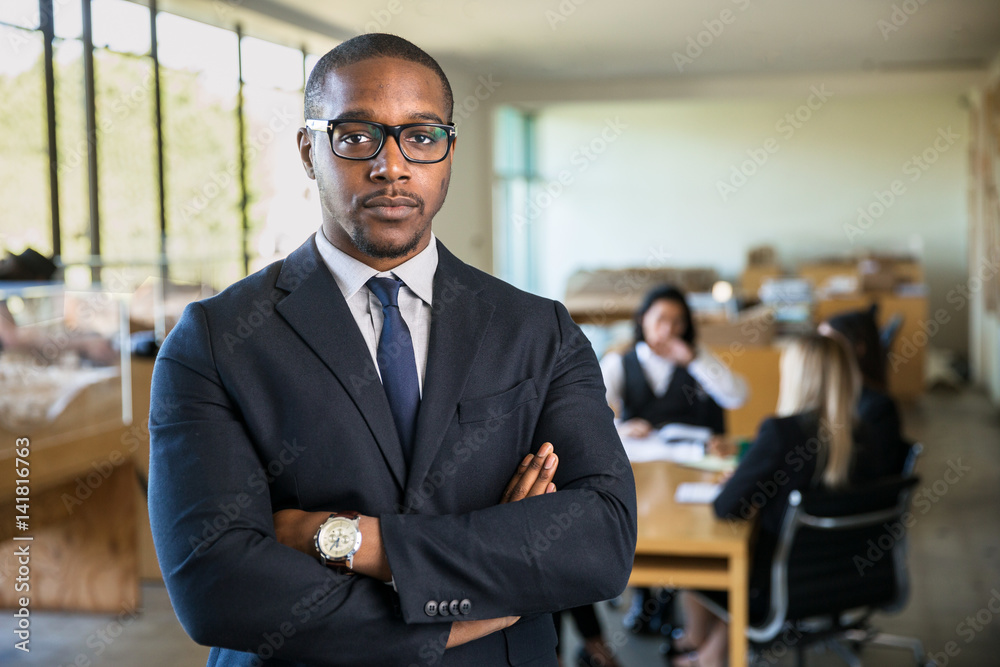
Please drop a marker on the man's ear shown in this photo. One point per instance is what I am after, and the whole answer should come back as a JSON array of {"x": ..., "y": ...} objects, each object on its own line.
[{"x": 305, "y": 151}]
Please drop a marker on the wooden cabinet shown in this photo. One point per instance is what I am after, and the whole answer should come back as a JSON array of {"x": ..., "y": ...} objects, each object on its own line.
[
  {"x": 907, "y": 355},
  {"x": 87, "y": 512}
]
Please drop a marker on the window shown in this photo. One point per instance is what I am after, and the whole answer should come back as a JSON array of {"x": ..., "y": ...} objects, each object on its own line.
[
  {"x": 21, "y": 13},
  {"x": 283, "y": 209},
  {"x": 513, "y": 183},
  {"x": 71, "y": 140},
  {"x": 24, "y": 171},
  {"x": 121, "y": 26},
  {"x": 200, "y": 79},
  {"x": 126, "y": 142}
]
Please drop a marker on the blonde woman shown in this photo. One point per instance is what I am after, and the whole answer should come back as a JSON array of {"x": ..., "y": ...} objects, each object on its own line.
[{"x": 810, "y": 443}]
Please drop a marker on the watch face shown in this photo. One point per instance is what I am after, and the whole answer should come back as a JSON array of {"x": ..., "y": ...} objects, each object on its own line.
[{"x": 337, "y": 537}]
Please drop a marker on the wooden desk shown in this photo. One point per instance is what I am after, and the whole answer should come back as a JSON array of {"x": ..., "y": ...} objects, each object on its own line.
[{"x": 685, "y": 546}]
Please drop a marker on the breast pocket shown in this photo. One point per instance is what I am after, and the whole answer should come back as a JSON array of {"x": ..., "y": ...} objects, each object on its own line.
[{"x": 498, "y": 405}]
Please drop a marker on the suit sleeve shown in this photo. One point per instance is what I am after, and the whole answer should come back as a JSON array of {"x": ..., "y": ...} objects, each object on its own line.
[
  {"x": 555, "y": 551},
  {"x": 231, "y": 584},
  {"x": 764, "y": 462}
]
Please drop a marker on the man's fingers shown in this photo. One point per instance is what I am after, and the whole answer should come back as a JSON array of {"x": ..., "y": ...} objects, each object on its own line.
[
  {"x": 545, "y": 475},
  {"x": 536, "y": 478},
  {"x": 516, "y": 478},
  {"x": 532, "y": 469}
]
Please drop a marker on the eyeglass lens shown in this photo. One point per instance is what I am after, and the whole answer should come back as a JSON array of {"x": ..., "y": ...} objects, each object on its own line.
[{"x": 360, "y": 141}]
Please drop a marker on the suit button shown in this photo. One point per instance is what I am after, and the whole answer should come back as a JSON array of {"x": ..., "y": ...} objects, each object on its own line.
[
  {"x": 465, "y": 606},
  {"x": 453, "y": 608},
  {"x": 443, "y": 608},
  {"x": 431, "y": 608}
]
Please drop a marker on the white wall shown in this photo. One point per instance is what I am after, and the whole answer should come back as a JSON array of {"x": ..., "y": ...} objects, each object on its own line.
[
  {"x": 654, "y": 188},
  {"x": 464, "y": 223}
]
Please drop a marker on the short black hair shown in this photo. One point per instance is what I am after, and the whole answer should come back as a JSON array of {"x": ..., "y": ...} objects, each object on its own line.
[
  {"x": 365, "y": 47},
  {"x": 666, "y": 293}
]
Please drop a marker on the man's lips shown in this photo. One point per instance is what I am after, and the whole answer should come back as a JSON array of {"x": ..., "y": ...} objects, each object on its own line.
[
  {"x": 392, "y": 208},
  {"x": 390, "y": 202}
]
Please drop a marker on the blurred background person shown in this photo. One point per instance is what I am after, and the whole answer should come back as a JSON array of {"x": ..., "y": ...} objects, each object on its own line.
[
  {"x": 876, "y": 410},
  {"x": 666, "y": 378},
  {"x": 820, "y": 383}
]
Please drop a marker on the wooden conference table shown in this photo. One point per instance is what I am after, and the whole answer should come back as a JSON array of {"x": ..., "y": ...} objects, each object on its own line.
[{"x": 685, "y": 546}]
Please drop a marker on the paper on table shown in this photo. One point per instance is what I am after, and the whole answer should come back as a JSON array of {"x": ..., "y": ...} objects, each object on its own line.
[
  {"x": 684, "y": 433},
  {"x": 713, "y": 463},
  {"x": 696, "y": 492},
  {"x": 640, "y": 450}
]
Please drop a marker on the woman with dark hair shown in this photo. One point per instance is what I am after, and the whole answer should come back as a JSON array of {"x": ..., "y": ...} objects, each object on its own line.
[
  {"x": 665, "y": 378},
  {"x": 876, "y": 411}
]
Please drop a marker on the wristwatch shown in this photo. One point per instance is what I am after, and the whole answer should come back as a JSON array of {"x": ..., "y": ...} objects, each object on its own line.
[{"x": 338, "y": 539}]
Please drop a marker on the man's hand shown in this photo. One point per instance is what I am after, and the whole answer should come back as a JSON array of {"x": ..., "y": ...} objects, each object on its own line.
[
  {"x": 534, "y": 476},
  {"x": 297, "y": 529},
  {"x": 463, "y": 632}
]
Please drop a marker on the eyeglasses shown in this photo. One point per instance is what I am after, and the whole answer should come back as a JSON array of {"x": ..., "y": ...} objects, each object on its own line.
[{"x": 424, "y": 143}]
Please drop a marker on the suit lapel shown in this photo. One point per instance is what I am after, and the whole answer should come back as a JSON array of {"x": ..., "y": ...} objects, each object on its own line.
[
  {"x": 317, "y": 311},
  {"x": 458, "y": 325}
]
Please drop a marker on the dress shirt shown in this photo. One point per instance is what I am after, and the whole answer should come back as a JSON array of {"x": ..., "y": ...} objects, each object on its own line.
[
  {"x": 725, "y": 387},
  {"x": 417, "y": 274}
]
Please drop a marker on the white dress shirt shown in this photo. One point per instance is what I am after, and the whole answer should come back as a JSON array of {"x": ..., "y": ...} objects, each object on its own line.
[
  {"x": 725, "y": 387},
  {"x": 417, "y": 274}
]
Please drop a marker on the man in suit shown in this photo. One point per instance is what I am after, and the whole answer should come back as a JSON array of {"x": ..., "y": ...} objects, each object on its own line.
[{"x": 339, "y": 439}]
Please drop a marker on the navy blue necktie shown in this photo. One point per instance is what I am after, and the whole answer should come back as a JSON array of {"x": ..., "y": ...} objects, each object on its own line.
[{"x": 396, "y": 363}]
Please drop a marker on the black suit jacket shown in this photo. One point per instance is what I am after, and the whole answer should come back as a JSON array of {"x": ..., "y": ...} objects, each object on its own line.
[
  {"x": 880, "y": 420},
  {"x": 265, "y": 397},
  {"x": 783, "y": 458}
]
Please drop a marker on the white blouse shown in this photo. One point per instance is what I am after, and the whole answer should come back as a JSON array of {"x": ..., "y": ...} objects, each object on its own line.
[{"x": 729, "y": 390}]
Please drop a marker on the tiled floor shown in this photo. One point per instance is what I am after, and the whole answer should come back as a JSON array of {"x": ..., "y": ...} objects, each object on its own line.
[{"x": 955, "y": 571}]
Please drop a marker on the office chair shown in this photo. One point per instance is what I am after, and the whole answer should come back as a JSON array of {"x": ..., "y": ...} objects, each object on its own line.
[
  {"x": 910, "y": 462},
  {"x": 841, "y": 557},
  {"x": 887, "y": 336}
]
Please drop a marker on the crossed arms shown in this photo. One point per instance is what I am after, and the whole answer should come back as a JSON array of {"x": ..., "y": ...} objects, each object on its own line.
[
  {"x": 297, "y": 528},
  {"x": 238, "y": 587}
]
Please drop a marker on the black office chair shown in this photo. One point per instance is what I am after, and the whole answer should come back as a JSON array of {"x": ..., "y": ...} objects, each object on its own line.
[
  {"x": 840, "y": 558},
  {"x": 910, "y": 462},
  {"x": 887, "y": 336}
]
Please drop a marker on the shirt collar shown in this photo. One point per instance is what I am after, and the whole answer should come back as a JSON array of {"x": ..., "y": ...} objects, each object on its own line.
[
  {"x": 646, "y": 355},
  {"x": 351, "y": 274}
]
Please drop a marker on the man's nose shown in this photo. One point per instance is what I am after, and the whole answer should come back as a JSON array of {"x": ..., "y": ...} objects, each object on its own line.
[{"x": 389, "y": 164}]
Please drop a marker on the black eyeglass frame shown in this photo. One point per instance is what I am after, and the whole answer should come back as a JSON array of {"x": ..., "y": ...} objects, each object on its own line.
[{"x": 328, "y": 126}]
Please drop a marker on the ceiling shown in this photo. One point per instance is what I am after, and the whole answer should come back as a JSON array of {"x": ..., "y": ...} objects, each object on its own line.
[{"x": 567, "y": 39}]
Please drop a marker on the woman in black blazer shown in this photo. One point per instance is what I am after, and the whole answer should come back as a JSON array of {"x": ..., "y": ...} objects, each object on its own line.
[
  {"x": 811, "y": 443},
  {"x": 877, "y": 411}
]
